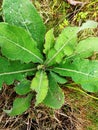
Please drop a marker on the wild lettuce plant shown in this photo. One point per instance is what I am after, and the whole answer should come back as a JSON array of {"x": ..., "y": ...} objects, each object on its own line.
[{"x": 27, "y": 50}]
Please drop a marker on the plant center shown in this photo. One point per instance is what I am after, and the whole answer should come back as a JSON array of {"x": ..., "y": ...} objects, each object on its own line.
[{"x": 41, "y": 67}]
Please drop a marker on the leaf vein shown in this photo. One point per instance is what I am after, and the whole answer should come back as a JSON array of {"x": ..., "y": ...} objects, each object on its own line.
[
  {"x": 17, "y": 44},
  {"x": 16, "y": 72},
  {"x": 75, "y": 71}
]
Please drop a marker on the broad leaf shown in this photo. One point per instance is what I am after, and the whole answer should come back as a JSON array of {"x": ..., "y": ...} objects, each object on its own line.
[
  {"x": 49, "y": 41},
  {"x": 89, "y": 24},
  {"x": 87, "y": 47},
  {"x": 55, "y": 96},
  {"x": 58, "y": 78},
  {"x": 40, "y": 85},
  {"x": 23, "y": 87},
  {"x": 65, "y": 45},
  {"x": 10, "y": 71},
  {"x": 23, "y": 13},
  {"x": 20, "y": 105},
  {"x": 16, "y": 44},
  {"x": 83, "y": 72}
]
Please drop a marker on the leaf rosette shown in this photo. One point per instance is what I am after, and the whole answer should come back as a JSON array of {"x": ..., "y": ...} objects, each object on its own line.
[{"x": 27, "y": 51}]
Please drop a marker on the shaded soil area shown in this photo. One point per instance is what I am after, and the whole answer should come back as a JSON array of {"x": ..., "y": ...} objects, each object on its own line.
[
  {"x": 39, "y": 118},
  {"x": 80, "y": 112}
]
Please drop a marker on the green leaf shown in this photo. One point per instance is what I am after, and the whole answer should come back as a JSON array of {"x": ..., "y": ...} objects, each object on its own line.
[
  {"x": 10, "y": 71},
  {"x": 83, "y": 72},
  {"x": 87, "y": 47},
  {"x": 89, "y": 24},
  {"x": 58, "y": 78},
  {"x": 40, "y": 85},
  {"x": 55, "y": 96},
  {"x": 64, "y": 46},
  {"x": 49, "y": 41},
  {"x": 23, "y": 13},
  {"x": 16, "y": 44},
  {"x": 23, "y": 87},
  {"x": 20, "y": 105}
]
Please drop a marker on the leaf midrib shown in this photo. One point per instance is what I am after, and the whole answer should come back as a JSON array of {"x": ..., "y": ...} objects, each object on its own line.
[
  {"x": 40, "y": 81},
  {"x": 60, "y": 49},
  {"x": 16, "y": 72},
  {"x": 26, "y": 26},
  {"x": 75, "y": 71},
  {"x": 17, "y": 44}
]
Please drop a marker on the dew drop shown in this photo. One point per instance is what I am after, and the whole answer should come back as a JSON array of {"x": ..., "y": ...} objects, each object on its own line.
[
  {"x": 95, "y": 71},
  {"x": 18, "y": 83},
  {"x": 21, "y": 5},
  {"x": 27, "y": 22},
  {"x": 16, "y": 21}
]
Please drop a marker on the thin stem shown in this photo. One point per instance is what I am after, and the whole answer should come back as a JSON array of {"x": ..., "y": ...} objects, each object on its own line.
[{"x": 81, "y": 91}]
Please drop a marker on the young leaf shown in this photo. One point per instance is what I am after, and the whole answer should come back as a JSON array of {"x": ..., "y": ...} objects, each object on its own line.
[
  {"x": 55, "y": 96},
  {"x": 16, "y": 44},
  {"x": 58, "y": 78},
  {"x": 20, "y": 105},
  {"x": 89, "y": 24},
  {"x": 23, "y": 87},
  {"x": 87, "y": 47},
  {"x": 40, "y": 85},
  {"x": 65, "y": 45},
  {"x": 49, "y": 41},
  {"x": 83, "y": 72},
  {"x": 10, "y": 71},
  {"x": 23, "y": 13}
]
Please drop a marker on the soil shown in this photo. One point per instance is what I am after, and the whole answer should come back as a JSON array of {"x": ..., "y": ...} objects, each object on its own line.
[{"x": 39, "y": 118}]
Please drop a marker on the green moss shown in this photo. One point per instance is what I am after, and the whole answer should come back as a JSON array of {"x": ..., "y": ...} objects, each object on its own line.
[{"x": 90, "y": 108}]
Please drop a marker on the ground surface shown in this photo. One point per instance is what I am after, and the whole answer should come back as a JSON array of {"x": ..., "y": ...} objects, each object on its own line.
[{"x": 80, "y": 111}]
